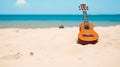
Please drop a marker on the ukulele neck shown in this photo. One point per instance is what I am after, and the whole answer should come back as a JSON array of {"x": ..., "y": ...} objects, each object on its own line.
[{"x": 85, "y": 19}]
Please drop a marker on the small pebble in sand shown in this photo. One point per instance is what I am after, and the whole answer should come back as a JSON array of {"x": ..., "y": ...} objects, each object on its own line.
[
  {"x": 18, "y": 53},
  {"x": 17, "y": 31},
  {"x": 51, "y": 58},
  {"x": 31, "y": 54}
]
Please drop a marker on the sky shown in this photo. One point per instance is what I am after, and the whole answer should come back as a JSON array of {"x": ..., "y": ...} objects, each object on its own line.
[{"x": 58, "y": 6}]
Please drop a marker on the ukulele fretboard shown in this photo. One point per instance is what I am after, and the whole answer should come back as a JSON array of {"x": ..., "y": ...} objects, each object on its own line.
[{"x": 85, "y": 19}]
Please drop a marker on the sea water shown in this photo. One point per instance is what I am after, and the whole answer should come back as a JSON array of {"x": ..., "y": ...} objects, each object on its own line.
[{"x": 47, "y": 21}]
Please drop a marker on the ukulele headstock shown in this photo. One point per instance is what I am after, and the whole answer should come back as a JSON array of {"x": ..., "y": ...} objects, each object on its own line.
[{"x": 83, "y": 7}]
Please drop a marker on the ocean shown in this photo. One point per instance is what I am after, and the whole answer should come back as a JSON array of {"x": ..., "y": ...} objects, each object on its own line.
[{"x": 47, "y": 21}]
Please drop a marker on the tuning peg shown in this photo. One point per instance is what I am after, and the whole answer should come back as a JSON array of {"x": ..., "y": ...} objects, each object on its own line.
[
  {"x": 79, "y": 7},
  {"x": 87, "y": 8}
]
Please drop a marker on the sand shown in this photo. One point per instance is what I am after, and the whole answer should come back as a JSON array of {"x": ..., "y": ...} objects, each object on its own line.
[{"x": 54, "y": 47}]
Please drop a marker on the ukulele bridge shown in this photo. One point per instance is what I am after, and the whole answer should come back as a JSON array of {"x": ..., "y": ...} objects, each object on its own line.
[{"x": 87, "y": 35}]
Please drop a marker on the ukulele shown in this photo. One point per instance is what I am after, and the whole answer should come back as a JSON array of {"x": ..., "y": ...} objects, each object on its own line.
[{"x": 86, "y": 35}]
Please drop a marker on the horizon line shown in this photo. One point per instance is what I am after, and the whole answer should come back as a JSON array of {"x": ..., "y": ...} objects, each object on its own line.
[{"x": 58, "y": 14}]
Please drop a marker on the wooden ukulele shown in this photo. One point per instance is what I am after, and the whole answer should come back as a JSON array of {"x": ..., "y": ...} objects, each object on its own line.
[{"x": 86, "y": 35}]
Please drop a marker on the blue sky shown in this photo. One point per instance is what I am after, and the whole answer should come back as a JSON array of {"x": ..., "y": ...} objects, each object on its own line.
[{"x": 58, "y": 6}]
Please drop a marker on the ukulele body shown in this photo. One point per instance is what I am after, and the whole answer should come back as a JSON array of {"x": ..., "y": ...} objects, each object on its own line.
[{"x": 87, "y": 36}]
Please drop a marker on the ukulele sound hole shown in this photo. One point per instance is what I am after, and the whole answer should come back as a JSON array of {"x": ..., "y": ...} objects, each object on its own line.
[{"x": 87, "y": 35}]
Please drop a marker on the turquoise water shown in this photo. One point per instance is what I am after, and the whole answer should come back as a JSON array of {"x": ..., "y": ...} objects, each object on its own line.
[{"x": 46, "y": 21}]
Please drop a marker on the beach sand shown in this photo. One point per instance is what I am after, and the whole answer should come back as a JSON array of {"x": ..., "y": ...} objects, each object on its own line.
[{"x": 54, "y": 47}]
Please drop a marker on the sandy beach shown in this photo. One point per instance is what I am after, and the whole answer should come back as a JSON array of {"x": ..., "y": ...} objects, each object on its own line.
[{"x": 54, "y": 47}]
